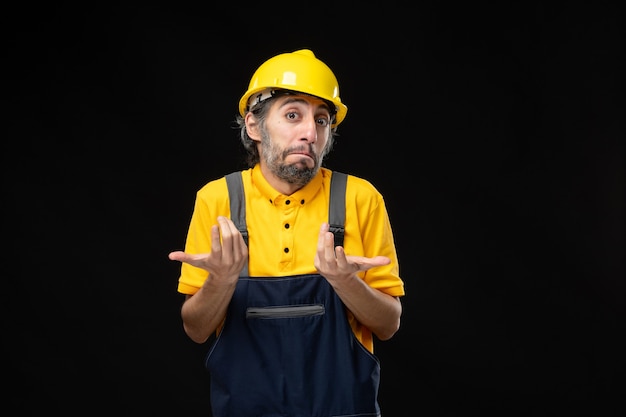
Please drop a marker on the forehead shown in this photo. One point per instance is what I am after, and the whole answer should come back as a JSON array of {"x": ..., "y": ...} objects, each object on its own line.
[{"x": 306, "y": 99}]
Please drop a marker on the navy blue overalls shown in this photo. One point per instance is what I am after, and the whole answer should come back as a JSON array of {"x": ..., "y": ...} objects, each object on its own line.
[{"x": 286, "y": 348}]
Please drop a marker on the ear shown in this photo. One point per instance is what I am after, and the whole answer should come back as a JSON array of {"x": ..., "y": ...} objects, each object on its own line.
[{"x": 252, "y": 127}]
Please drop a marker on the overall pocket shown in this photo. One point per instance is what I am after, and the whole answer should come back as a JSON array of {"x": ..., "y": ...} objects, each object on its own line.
[{"x": 282, "y": 312}]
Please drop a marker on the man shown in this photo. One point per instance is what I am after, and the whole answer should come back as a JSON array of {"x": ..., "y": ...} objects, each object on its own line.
[{"x": 294, "y": 313}]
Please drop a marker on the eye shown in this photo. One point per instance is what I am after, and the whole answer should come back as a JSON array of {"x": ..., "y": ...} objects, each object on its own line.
[
  {"x": 292, "y": 115},
  {"x": 323, "y": 121}
]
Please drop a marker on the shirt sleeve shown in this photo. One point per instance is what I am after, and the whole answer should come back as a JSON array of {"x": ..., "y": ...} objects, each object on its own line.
[
  {"x": 371, "y": 235},
  {"x": 211, "y": 201}
]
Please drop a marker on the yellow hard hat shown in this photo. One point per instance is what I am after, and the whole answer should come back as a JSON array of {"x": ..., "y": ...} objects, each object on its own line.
[{"x": 296, "y": 71}]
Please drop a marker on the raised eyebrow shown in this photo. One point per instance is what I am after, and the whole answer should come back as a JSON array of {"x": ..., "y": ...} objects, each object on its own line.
[{"x": 290, "y": 100}]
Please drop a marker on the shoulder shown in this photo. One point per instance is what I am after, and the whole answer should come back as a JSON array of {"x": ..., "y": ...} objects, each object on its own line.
[
  {"x": 361, "y": 187},
  {"x": 217, "y": 189},
  {"x": 353, "y": 181},
  {"x": 362, "y": 193},
  {"x": 213, "y": 188},
  {"x": 219, "y": 184}
]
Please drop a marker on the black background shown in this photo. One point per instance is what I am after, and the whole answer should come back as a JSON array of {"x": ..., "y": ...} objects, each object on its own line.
[{"x": 495, "y": 133}]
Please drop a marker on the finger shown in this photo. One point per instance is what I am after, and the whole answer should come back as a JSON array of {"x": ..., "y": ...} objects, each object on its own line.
[
  {"x": 233, "y": 243},
  {"x": 341, "y": 259},
  {"x": 321, "y": 238},
  {"x": 364, "y": 263},
  {"x": 227, "y": 226},
  {"x": 176, "y": 255},
  {"x": 197, "y": 260},
  {"x": 329, "y": 247},
  {"x": 227, "y": 238},
  {"x": 326, "y": 243},
  {"x": 216, "y": 245}
]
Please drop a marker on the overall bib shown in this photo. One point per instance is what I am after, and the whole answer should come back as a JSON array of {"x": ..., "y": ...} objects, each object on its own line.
[{"x": 287, "y": 349}]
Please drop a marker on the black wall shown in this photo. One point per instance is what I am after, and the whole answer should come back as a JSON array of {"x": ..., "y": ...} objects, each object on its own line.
[{"x": 495, "y": 133}]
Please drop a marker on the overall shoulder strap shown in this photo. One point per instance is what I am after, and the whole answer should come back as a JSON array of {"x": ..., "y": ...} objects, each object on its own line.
[
  {"x": 238, "y": 207},
  {"x": 337, "y": 209}
]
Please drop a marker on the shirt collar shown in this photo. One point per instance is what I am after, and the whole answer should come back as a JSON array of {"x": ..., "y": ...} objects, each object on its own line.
[{"x": 301, "y": 196}]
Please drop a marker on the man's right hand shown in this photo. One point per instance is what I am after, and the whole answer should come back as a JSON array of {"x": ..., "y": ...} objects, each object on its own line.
[{"x": 229, "y": 252}]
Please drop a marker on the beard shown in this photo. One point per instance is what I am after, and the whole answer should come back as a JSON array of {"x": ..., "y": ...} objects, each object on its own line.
[{"x": 294, "y": 173}]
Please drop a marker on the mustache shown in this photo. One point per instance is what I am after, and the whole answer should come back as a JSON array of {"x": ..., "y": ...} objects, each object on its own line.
[{"x": 300, "y": 149}]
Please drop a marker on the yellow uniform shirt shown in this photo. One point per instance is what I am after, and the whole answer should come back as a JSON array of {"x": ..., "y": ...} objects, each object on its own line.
[{"x": 283, "y": 231}]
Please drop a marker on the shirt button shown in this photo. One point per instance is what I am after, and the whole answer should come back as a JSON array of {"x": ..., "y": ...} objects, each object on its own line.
[
  {"x": 288, "y": 202},
  {"x": 286, "y": 250},
  {"x": 286, "y": 225}
]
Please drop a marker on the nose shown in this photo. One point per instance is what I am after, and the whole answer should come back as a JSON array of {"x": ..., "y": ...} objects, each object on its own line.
[{"x": 309, "y": 129}]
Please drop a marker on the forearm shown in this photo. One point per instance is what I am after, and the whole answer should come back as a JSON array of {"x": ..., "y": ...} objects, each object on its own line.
[
  {"x": 204, "y": 311},
  {"x": 374, "y": 309}
]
